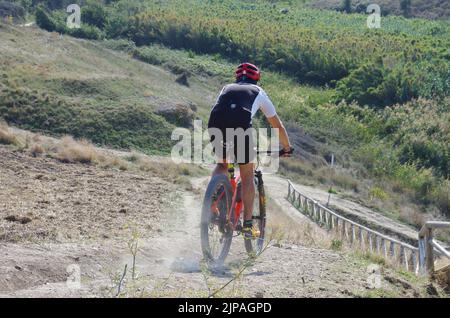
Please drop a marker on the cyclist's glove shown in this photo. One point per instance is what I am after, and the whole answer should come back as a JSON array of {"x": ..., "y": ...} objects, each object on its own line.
[{"x": 284, "y": 153}]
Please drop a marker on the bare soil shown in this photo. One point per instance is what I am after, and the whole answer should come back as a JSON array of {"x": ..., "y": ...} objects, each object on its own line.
[{"x": 83, "y": 215}]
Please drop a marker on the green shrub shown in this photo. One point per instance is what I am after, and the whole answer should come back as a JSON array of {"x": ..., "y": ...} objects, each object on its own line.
[
  {"x": 376, "y": 85},
  {"x": 378, "y": 193},
  {"x": 120, "y": 45},
  {"x": 336, "y": 245},
  {"x": 9, "y": 9},
  {"x": 86, "y": 31},
  {"x": 44, "y": 20},
  {"x": 94, "y": 14}
]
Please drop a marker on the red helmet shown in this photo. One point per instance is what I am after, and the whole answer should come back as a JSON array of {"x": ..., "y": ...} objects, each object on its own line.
[{"x": 249, "y": 70}]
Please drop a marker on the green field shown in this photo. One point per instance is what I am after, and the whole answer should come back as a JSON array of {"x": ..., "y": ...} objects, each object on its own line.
[{"x": 402, "y": 60}]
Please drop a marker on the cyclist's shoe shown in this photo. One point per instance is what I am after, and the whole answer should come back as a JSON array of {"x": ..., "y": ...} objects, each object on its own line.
[{"x": 251, "y": 233}]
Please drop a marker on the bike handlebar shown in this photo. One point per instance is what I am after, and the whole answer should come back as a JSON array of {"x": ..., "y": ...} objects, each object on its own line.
[{"x": 281, "y": 152}]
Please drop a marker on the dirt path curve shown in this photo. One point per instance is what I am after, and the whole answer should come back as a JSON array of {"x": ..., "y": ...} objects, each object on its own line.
[
  {"x": 168, "y": 261},
  {"x": 283, "y": 271}
]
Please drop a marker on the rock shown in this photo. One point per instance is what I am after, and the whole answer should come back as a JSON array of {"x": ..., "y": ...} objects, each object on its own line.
[
  {"x": 21, "y": 220},
  {"x": 193, "y": 106},
  {"x": 398, "y": 282},
  {"x": 177, "y": 114},
  {"x": 24, "y": 220},
  {"x": 11, "y": 218},
  {"x": 183, "y": 79},
  {"x": 432, "y": 291}
]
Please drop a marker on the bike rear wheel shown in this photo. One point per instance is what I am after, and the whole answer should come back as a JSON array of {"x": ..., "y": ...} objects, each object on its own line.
[
  {"x": 216, "y": 235},
  {"x": 255, "y": 246}
]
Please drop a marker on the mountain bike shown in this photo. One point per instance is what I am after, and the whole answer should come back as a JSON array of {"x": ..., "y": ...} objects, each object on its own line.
[{"x": 222, "y": 214}]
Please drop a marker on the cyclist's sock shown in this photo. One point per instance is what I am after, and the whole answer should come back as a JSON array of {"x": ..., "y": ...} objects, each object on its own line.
[{"x": 248, "y": 224}]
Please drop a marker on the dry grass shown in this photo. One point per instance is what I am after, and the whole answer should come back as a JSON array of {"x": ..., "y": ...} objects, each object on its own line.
[
  {"x": 37, "y": 150},
  {"x": 7, "y": 137},
  {"x": 413, "y": 217},
  {"x": 177, "y": 173},
  {"x": 71, "y": 151},
  {"x": 111, "y": 161}
]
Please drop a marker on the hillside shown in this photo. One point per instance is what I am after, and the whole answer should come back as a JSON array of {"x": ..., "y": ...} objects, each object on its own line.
[
  {"x": 66, "y": 86},
  {"x": 93, "y": 100}
]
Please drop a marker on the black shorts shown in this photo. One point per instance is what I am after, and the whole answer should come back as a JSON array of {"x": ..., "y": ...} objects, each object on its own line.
[{"x": 232, "y": 144}]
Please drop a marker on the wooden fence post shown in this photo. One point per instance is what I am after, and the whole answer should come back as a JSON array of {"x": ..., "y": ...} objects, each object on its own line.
[
  {"x": 392, "y": 250},
  {"x": 429, "y": 251},
  {"x": 384, "y": 248},
  {"x": 361, "y": 239},
  {"x": 352, "y": 234}
]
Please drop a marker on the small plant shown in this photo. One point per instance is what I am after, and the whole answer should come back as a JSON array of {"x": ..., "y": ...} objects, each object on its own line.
[
  {"x": 274, "y": 238},
  {"x": 121, "y": 286},
  {"x": 336, "y": 245},
  {"x": 378, "y": 193},
  {"x": 133, "y": 246},
  {"x": 332, "y": 191}
]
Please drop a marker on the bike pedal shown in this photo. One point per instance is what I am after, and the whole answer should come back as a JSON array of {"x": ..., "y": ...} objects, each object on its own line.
[{"x": 255, "y": 234}]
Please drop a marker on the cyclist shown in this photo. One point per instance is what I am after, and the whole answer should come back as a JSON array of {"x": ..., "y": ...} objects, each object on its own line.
[{"x": 234, "y": 110}]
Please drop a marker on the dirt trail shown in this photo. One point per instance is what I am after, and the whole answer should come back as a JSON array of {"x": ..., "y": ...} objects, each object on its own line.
[
  {"x": 169, "y": 256},
  {"x": 283, "y": 271}
]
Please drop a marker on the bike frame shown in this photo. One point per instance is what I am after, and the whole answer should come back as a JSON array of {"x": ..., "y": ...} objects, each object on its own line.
[{"x": 236, "y": 207}]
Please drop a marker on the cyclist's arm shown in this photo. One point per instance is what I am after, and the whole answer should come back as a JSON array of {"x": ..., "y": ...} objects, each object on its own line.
[
  {"x": 269, "y": 111},
  {"x": 276, "y": 123}
]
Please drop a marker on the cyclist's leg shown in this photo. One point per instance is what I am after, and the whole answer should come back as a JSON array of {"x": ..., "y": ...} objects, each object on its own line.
[
  {"x": 248, "y": 189},
  {"x": 222, "y": 164},
  {"x": 247, "y": 170}
]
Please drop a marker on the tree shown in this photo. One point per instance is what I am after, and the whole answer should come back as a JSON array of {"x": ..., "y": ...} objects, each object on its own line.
[
  {"x": 94, "y": 14},
  {"x": 405, "y": 6},
  {"x": 43, "y": 20},
  {"x": 347, "y": 6}
]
